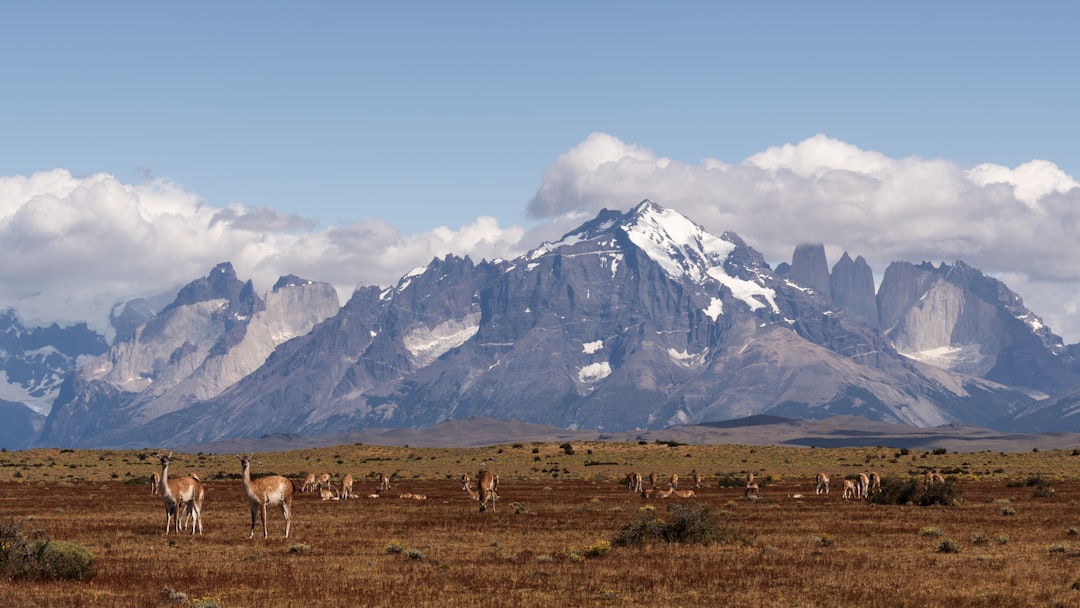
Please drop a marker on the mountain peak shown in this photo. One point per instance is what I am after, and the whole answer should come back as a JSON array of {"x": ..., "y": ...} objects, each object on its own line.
[{"x": 681, "y": 247}]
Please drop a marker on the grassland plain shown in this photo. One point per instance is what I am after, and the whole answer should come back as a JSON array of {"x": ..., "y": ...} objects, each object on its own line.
[{"x": 1010, "y": 542}]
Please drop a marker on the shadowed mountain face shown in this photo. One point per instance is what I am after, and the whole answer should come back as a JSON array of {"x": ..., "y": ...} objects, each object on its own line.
[{"x": 636, "y": 320}]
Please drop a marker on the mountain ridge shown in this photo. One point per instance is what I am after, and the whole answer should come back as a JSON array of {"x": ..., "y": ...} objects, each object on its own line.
[{"x": 634, "y": 321}]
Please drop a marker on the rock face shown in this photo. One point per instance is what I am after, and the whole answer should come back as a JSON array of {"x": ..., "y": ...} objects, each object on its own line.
[
  {"x": 852, "y": 287},
  {"x": 809, "y": 268},
  {"x": 635, "y": 320},
  {"x": 957, "y": 318},
  {"x": 215, "y": 333}
]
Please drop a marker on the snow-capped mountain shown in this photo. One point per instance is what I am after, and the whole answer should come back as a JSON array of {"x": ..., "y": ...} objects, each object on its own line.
[
  {"x": 635, "y": 320},
  {"x": 33, "y": 364}
]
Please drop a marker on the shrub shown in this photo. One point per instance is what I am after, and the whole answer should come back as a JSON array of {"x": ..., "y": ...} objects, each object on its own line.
[
  {"x": 414, "y": 554},
  {"x": 931, "y": 531},
  {"x": 172, "y": 595},
  {"x": 206, "y": 602},
  {"x": 394, "y": 547},
  {"x": 60, "y": 559},
  {"x": 598, "y": 549},
  {"x": 22, "y": 558},
  {"x": 689, "y": 523},
  {"x": 299, "y": 548},
  {"x": 910, "y": 491},
  {"x": 947, "y": 545}
]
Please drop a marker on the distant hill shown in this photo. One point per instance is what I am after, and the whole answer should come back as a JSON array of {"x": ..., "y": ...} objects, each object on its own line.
[{"x": 839, "y": 431}]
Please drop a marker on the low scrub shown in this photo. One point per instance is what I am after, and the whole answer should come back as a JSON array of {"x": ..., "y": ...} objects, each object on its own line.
[
  {"x": 44, "y": 559},
  {"x": 911, "y": 492},
  {"x": 687, "y": 523}
]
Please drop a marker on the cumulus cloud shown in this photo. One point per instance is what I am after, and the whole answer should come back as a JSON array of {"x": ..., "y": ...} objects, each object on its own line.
[
  {"x": 1019, "y": 224},
  {"x": 76, "y": 246}
]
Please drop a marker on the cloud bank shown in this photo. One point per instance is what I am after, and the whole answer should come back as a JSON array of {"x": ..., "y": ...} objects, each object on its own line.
[
  {"x": 1018, "y": 224},
  {"x": 76, "y": 246}
]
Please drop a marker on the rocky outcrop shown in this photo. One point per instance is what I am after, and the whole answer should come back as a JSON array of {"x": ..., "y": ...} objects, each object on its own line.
[
  {"x": 852, "y": 287},
  {"x": 810, "y": 268},
  {"x": 215, "y": 333},
  {"x": 957, "y": 318}
]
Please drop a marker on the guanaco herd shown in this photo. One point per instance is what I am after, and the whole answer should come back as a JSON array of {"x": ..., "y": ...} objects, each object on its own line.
[
  {"x": 863, "y": 486},
  {"x": 183, "y": 496}
]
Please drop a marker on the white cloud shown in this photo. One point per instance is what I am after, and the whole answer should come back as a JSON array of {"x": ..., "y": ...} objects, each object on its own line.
[
  {"x": 75, "y": 246},
  {"x": 1021, "y": 223}
]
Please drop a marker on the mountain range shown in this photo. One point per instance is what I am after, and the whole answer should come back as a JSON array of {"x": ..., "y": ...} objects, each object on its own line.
[{"x": 634, "y": 321}]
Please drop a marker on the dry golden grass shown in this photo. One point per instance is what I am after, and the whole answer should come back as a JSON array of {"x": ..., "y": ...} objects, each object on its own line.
[{"x": 1015, "y": 548}]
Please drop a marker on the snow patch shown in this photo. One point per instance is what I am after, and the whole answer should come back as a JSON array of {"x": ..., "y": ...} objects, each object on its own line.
[
  {"x": 747, "y": 291},
  {"x": 715, "y": 309},
  {"x": 687, "y": 359},
  {"x": 428, "y": 344},
  {"x": 594, "y": 372}
]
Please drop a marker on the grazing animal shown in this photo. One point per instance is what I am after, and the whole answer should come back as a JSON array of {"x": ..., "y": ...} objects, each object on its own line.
[
  {"x": 862, "y": 486},
  {"x": 751, "y": 489},
  {"x": 187, "y": 510},
  {"x": 699, "y": 479},
  {"x": 384, "y": 482},
  {"x": 691, "y": 493},
  {"x": 849, "y": 489},
  {"x": 875, "y": 484},
  {"x": 653, "y": 478},
  {"x": 412, "y": 496},
  {"x": 657, "y": 493},
  {"x": 183, "y": 493},
  {"x": 327, "y": 494},
  {"x": 155, "y": 480},
  {"x": 674, "y": 482},
  {"x": 265, "y": 492},
  {"x": 309, "y": 483},
  {"x": 932, "y": 477},
  {"x": 821, "y": 484},
  {"x": 485, "y": 492},
  {"x": 633, "y": 482},
  {"x": 346, "y": 487},
  {"x": 324, "y": 480}
]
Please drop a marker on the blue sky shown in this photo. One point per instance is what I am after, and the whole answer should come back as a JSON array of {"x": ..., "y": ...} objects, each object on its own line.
[{"x": 351, "y": 141}]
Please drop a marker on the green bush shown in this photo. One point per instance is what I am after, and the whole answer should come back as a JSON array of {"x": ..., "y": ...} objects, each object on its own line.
[
  {"x": 61, "y": 559},
  {"x": 910, "y": 491},
  {"x": 689, "y": 523},
  {"x": 22, "y": 558}
]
